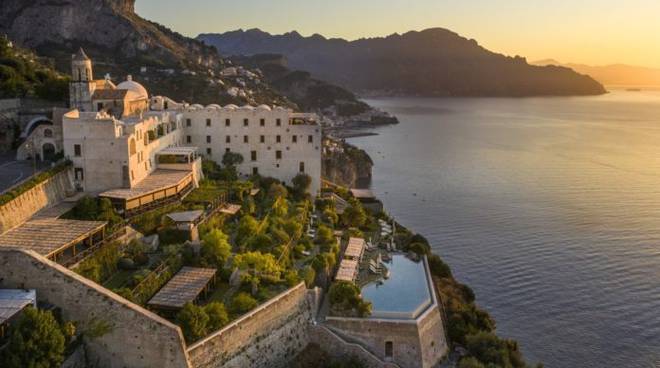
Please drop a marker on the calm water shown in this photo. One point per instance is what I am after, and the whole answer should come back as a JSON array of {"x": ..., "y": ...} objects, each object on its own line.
[
  {"x": 548, "y": 207},
  {"x": 406, "y": 291}
]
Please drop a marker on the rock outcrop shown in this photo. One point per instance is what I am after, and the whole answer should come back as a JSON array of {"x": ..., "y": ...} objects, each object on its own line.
[{"x": 350, "y": 168}]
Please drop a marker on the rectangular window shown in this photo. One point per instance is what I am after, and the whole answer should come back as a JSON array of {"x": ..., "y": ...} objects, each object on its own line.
[
  {"x": 262, "y": 122},
  {"x": 278, "y": 139},
  {"x": 262, "y": 139},
  {"x": 278, "y": 155},
  {"x": 253, "y": 155},
  {"x": 208, "y": 139},
  {"x": 294, "y": 139},
  {"x": 208, "y": 151},
  {"x": 145, "y": 166},
  {"x": 278, "y": 122},
  {"x": 228, "y": 139},
  {"x": 208, "y": 122},
  {"x": 255, "y": 171},
  {"x": 188, "y": 139},
  {"x": 310, "y": 139},
  {"x": 79, "y": 173},
  {"x": 188, "y": 122},
  {"x": 301, "y": 167},
  {"x": 227, "y": 122},
  {"x": 246, "y": 122},
  {"x": 227, "y": 150},
  {"x": 77, "y": 150},
  {"x": 245, "y": 139}
]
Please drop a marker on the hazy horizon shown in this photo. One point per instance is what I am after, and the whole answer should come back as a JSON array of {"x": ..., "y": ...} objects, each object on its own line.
[{"x": 589, "y": 32}]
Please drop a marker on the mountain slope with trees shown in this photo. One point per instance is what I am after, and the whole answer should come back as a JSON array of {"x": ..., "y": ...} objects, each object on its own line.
[{"x": 433, "y": 62}]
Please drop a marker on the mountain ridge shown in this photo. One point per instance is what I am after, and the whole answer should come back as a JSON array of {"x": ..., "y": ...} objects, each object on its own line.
[{"x": 435, "y": 62}]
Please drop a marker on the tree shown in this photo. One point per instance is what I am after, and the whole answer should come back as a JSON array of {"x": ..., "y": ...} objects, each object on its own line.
[
  {"x": 247, "y": 227},
  {"x": 277, "y": 190},
  {"x": 193, "y": 321},
  {"x": 218, "y": 317},
  {"x": 354, "y": 215},
  {"x": 330, "y": 216},
  {"x": 345, "y": 298},
  {"x": 232, "y": 159},
  {"x": 242, "y": 303},
  {"x": 258, "y": 266},
  {"x": 215, "y": 248},
  {"x": 325, "y": 238},
  {"x": 301, "y": 185},
  {"x": 470, "y": 362},
  {"x": 36, "y": 341}
]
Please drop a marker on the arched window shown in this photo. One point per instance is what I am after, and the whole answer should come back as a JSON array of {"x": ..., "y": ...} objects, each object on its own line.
[
  {"x": 131, "y": 147},
  {"x": 48, "y": 133}
]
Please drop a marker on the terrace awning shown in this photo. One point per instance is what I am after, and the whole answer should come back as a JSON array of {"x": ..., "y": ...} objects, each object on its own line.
[
  {"x": 183, "y": 288},
  {"x": 49, "y": 236},
  {"x": 355, "y": 248}
]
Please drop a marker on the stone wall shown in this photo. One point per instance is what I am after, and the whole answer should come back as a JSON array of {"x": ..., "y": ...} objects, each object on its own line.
[
  {"x": 268, "y": 337},
  {"x": 340, "y": 349},
  {"x": 119, "y": 333},
  {"x": 43, "y": 195}
]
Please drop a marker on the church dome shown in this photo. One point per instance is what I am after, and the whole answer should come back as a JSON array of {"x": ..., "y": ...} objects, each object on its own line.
[{"x": 135, "y": 87}]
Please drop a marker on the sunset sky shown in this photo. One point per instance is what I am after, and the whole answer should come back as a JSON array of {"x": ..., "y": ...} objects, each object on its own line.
[{"x": 585, "y": 31}]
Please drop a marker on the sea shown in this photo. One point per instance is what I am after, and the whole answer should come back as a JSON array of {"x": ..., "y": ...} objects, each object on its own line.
[{"x": 549, "y": 208}]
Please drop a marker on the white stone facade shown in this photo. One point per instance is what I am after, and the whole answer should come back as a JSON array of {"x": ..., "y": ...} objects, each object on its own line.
[
  {"x": 117, "y": 150},
  {"x": 274, "y": 142}
]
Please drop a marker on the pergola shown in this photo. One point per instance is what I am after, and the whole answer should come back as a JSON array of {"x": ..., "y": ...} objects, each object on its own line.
[
  {"x": 355, "y": 249},
  {"x": 56, "y": 239},
  {"x": 184, "y": 287},
  {"x": 348, "y": 271},
  {"x": 160, "y": 185}
]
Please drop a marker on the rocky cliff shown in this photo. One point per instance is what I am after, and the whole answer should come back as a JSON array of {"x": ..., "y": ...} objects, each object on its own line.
[
  {"x": 121, "y": 42},
  {"x": 101, "y": 26},
  {"x": 433, "y": 62},
  {"x": 349, "y": 167}
]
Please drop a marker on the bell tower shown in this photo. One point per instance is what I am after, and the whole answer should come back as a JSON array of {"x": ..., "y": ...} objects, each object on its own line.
[{"x": 82, "y": 84}]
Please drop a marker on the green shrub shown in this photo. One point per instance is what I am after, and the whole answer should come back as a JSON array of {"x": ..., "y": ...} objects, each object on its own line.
[
  {"x": 193, "y": 321},
  {"x": 218, "y": 317},
  {"x": 309, "y": 275},
  {"x": 242, "y": 303},
  {"x": 345, "y": 298},
  {"x": 438, "y": 267}
]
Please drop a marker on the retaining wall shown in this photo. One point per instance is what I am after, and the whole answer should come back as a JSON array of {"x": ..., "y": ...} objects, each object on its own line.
[
  {"x": 267, "y": 337},
  {"x": 43, "y": 195},
  {"x": 119, "y": 333}
]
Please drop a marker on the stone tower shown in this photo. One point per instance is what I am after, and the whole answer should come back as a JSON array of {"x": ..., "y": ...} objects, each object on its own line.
[{"x": 82, "y": 83}]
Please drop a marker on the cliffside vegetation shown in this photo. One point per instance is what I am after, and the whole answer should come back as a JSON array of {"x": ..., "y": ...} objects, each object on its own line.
[
  {"x": 23, "y": 74},
  {"x": 468, "y": 326}
]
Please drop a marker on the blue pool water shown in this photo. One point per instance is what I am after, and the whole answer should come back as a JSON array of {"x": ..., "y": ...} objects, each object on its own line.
[{"x": 404, "y": 294}]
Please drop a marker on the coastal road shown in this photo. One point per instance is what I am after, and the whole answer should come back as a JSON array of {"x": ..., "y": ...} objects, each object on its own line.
[{"x": 12, "y": 171}]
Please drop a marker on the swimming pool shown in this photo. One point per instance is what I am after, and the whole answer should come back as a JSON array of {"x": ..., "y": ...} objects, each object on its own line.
[{"x": 404, "y": 295}]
